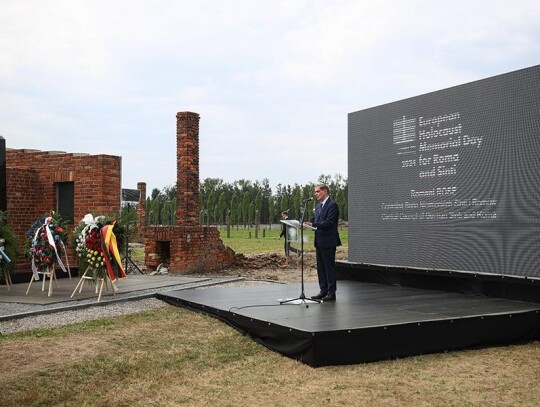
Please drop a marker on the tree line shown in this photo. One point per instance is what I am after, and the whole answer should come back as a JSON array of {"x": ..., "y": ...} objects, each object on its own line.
[{"x": 246, "y": 203}]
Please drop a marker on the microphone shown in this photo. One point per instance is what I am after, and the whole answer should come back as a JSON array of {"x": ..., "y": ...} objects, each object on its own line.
[{"x": 308, "y": 199}]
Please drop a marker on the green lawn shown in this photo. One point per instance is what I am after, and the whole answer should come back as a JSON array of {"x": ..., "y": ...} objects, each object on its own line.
[
  {"x": 243, "y": 240},
  {"x": 174, "y": 357}
]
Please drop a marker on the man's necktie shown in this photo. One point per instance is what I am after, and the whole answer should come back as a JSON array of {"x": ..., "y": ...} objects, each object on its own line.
[{"x": 318, "y": 212}]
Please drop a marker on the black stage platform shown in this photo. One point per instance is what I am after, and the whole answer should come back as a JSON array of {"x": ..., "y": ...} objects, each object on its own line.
[{"x": 368, "y": 322}]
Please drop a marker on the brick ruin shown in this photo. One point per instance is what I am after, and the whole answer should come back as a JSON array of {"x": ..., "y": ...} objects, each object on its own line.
[
  {"x": 32, "y": 180},
  {"x": 186, "y": 247}
]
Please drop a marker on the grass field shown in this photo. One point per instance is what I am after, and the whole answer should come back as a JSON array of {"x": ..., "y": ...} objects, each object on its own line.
[
  {"x": 173, "y": 357},
  {"x": 243, "y": 240}
]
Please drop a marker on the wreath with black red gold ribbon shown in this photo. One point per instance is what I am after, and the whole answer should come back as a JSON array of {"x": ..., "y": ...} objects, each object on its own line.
[{"x": 96, "y": 241}]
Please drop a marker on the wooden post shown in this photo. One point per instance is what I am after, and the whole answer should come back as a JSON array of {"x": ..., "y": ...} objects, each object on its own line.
[{"x": 228, "y": 222}]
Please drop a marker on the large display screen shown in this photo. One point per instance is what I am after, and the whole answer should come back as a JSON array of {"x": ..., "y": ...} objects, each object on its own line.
[{"x": 450, "y": 180}]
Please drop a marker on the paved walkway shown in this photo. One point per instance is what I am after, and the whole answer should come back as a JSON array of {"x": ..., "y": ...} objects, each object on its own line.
[{"x": 17, "y": 304}]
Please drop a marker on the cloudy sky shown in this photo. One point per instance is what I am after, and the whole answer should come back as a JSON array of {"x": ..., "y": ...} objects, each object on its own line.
[{"x": 273, "y": 81}]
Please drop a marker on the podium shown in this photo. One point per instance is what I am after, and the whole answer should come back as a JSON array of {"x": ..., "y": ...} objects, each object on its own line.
[
  {"x": 292, "y": 236},
  {"x": 295, "y": 234}
]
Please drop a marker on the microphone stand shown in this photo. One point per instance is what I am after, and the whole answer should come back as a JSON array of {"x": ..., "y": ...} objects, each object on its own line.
[{"x": 302, "y": 297}]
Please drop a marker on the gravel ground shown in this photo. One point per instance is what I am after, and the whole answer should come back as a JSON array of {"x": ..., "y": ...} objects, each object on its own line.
[
  {"x": 86, "y": 310},
  {"x": 46, "y": 316},
  {"x": 53, "y": 315},
  {"x": 78, "y": 315}
]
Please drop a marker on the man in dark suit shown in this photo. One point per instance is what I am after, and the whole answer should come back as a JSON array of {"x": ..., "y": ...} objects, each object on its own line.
[{"x": 325, "y": 220}]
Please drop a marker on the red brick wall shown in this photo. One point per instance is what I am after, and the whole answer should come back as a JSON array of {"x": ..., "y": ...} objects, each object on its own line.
[
  {"x": 22, "y": 192},
  {"x": 31, "y": 189}
]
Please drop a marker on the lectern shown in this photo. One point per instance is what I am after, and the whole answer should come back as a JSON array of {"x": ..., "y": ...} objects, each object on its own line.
[{"x": 295, "y": 232}]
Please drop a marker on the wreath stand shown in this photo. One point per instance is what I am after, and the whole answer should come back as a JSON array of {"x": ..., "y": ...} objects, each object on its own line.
[
  {"x": 50, "y": 273},
  {"x": 100, "y": 281},
  {"x": 7, "y": 278}
]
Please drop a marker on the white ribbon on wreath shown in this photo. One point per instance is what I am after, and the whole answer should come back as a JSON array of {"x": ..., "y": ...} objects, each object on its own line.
[
  {"x": 91, "y": 223},
  {"x": 51, "y": 241}
]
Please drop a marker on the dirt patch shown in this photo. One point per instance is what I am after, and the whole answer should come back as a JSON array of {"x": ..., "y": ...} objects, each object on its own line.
[
  {"x": 25, "y": 357},
  {"x": 278, "y": 267}
]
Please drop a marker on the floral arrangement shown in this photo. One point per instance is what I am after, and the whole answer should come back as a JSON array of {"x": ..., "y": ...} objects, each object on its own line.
[
  {"x": 46, "y": 243},
  {"x": 96, "y": 243},
  {"x": 9, "y": 247}
]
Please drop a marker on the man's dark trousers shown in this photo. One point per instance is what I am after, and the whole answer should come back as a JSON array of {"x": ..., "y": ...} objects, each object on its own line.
[{"x": 326, "y": 269}]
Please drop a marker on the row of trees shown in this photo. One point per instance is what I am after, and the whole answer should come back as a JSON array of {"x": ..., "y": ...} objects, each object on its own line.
[{"x": 245, "y": 202}]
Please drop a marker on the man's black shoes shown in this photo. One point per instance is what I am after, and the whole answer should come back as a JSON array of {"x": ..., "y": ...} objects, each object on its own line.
[
  {"x": 329, "y": 297},
  {"x": 319, "y": 296},
  {"x": 324, "y": 296}
]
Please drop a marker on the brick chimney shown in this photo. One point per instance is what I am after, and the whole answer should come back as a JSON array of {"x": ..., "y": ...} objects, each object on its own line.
[
  {"x": 187, "y": 247},
  {"x": 187, "y": 168},
  {"x": 141, "y": 209}
]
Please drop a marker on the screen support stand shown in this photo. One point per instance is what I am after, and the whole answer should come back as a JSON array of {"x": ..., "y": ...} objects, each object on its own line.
[{"x": 302, "y": 298}]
